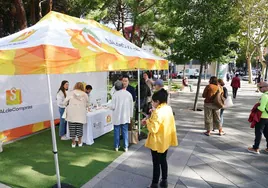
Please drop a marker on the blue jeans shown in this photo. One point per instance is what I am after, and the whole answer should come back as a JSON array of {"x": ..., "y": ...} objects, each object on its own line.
[
  {"x": 124, "y": 128},
  {"x": 62, "y": 129},
  {"x": 221, "y": 116}
]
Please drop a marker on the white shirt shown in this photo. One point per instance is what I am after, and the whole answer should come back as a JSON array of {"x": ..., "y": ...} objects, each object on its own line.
[
  {"x": 122, "y": 106},
  {"x": 88, "y": 94},
  {"x": 60, "y": 99},
  {"x": 112, "y": 91}
]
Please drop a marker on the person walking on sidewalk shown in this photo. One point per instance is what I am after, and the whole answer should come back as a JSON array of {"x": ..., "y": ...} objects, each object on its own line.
[
  {"x": 225, "y": 95},
  {"x": 211, "y": 111},
  {"x": 235, "y": 85},
  {"x": 162, "y": 135},
  {"x": 262, "y": 126}
]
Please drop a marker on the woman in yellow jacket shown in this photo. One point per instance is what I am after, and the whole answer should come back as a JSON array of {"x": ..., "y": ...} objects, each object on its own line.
[{"x": 162, "y": 135}]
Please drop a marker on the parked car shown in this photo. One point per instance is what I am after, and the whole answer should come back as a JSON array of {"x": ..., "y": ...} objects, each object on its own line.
[
  {"x": 254, "y": 75},
  {"x": 190, "y": 73}
]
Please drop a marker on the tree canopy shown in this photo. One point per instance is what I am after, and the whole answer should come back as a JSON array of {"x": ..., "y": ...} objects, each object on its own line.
[{"x": 205, "y": 29}]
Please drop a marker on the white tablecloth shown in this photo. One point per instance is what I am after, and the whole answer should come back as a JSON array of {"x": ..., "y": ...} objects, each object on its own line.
[{"x": 99, "y": 123}]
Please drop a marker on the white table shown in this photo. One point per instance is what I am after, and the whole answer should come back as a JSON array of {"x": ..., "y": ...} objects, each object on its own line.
[{"x": 99, "y": 122}]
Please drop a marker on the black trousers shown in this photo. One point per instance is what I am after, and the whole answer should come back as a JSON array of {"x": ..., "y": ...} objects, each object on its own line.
[
  {"x": 261, "y": 128},
  {"x": 234, "y": 92},
  {"x": 159, "y": 160}
]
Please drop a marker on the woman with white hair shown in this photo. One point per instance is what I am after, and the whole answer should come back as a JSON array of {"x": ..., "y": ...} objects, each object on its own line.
[{"x": 122, "y": 106}]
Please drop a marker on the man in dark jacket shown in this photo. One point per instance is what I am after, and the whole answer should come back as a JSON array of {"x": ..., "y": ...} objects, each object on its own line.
[{"x": 128, "y": 87}]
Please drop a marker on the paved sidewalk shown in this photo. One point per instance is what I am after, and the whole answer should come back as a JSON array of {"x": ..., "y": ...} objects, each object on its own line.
[{"x": 198, "y": 161}]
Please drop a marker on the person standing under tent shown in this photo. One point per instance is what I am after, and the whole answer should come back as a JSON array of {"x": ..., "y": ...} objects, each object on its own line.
[
  {"x": 145, "y": 92},
  {"x": 158, "y": 85},
  {"x": 88, "y": 90},
  {"x": 235, "y": 85},
  {"x": 122, "y": 107},
  {"x": 129, "y": 88},
  {"x": 162, "y": 135},
  {"x": 76, "y": 112},
  {"x": 61, "y": 95}
]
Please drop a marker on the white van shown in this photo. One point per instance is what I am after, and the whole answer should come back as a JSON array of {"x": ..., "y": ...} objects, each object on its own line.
[{"x": 190, "y": 73}]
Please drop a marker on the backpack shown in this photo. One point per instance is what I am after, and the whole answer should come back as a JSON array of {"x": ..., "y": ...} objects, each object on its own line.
[{"x": 218, "y": 99}]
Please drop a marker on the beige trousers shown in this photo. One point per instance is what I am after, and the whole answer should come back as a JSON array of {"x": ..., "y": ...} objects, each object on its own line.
[{"x": 212, "y": 117}]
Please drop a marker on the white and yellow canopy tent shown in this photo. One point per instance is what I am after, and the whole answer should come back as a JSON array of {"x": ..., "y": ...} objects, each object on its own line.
[{"x": 61, "y": 44}]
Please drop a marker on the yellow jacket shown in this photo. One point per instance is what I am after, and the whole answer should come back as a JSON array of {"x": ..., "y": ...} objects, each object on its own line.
[{"x": 162, "y": 129}]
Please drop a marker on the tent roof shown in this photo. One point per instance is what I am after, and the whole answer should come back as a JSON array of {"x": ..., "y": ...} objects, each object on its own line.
[{"x": 60, "y": 44}]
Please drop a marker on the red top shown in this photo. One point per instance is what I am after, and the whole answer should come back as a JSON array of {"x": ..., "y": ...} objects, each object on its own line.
[
  {"x": 235, "y": 82},
  {"x": 255, "y": 115}
]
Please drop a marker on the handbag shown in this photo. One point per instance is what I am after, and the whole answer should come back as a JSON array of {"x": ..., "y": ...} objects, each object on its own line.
[
  {"x": 218, "y": 100},
  {"x": 228, "y": 102}
]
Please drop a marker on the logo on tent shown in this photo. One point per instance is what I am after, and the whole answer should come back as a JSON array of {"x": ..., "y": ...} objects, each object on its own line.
[
  {"x": 24, "y": 36},
  {"x": 13, "y": 96}
]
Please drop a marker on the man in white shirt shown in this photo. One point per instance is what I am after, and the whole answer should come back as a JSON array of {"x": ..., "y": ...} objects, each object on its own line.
[{"x": 122, "y": 106}]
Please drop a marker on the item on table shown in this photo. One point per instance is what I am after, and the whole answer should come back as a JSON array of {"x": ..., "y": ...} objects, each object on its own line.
[{"x": 98, "y": 102}]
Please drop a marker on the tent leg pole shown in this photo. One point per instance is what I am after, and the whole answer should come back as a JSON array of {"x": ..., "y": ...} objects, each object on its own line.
[
  {"x": 139, "y": 102},
  {"x": 55, "y": 151}
]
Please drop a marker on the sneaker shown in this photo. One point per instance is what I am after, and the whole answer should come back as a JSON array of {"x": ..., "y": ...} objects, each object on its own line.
[
  {"x": 73, "y": 145},
  {"x": 64, "y": 138},
  {"x": 164, "y": 183},
  {"x": 116, "y": 149},
  {"x": 207, "y": 133},
  {"x": 80, "y": 145},
  {"x": 125, "y": 149},
  {"x": 252, "y": 150}
]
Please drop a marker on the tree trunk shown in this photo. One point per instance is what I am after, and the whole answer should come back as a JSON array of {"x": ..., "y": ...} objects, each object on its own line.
[
  {"x": 198, "y": 86},
  {"x": 33, "y": 18},
  {"x": 206, "y": 68},
  {"x": 2, "y": 34},
  {"x": 50, "y": 5},
  {"x": 262, "y": 60},
  {"x": 133, "y": 29},
  {"x": 12, "y": 18},
  {"x": 119, "y": 16},
  {"x": 183, "y": 71},
  {"x": 249, "y": 70},
  {"x": 20, "y": 14}
]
